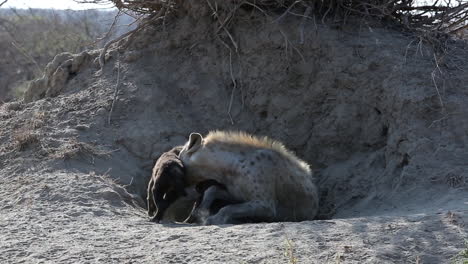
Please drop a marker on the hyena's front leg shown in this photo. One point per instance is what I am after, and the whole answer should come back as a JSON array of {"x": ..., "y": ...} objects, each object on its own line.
[
  {"x": 251, "y": 211},
  {"x": 210, "y": 202}
]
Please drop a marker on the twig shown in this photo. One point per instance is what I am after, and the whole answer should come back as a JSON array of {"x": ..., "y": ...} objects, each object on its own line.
[
  {"x": 232, "y": 39},
  {"x": 3, "y": 2},
  {"x": 115, "y": 91},
  {"x": 437, "y": 90},
  {"x": 407, "y": 48},
  {"x": 304, "y": 18},
  {"x": 233, "y": 79},
  {"x": 419, "y": 47},
  {"x": 257, "y": 7},
  {"x": 240, "y": 74},
  {"x": 326, "y": 13},
  {"x": 226, "y": 20},
  {"x": 293, "y": 47},
  {"x": 233, "y": 88},
  {"x": 286, "y": 42},
  {"x": 222, "y": 25},
  {"x": 439, "y": 120},
  {"x": 435, "y": 84},
  {"x": 437, "y": 64}
]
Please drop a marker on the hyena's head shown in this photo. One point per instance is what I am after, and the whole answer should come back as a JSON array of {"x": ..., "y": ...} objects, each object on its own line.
[
  {"x": 191, "y": 150},
  {"x": 169, "y": 186}
]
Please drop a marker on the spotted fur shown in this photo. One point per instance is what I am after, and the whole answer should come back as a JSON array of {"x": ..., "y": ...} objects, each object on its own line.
[{"x": 273, "y": 182}]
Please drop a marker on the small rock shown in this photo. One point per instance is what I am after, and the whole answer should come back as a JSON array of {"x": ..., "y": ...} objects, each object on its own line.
[{"x": 14, "y": 106}]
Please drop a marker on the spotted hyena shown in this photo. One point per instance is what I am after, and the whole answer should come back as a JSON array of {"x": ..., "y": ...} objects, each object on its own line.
[{"x": 274, "y": 183}]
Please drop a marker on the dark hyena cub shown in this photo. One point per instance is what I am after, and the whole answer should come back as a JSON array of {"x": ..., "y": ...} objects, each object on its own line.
[{"x": 167, "y": 183}]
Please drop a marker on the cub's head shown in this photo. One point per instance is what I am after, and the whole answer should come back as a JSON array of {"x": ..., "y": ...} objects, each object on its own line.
[
  {"x": 169, "y": 185},
  {"x": 194, "y": 144}
]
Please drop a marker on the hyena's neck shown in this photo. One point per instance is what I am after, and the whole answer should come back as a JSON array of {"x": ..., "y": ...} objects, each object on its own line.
[
  {"x": 197, "y": 174},
  {"x": 220, "y": 166}
]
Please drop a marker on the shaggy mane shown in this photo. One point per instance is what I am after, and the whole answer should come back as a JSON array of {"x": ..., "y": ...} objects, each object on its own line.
[{"x": 243, "y": 138}]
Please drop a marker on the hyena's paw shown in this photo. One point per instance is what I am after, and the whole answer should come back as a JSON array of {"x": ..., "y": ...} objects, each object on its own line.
[{"x": 216, "y": 220}]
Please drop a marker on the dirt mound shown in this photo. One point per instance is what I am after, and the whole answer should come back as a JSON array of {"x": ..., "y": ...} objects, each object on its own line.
[{"x": 380, "y": 116}]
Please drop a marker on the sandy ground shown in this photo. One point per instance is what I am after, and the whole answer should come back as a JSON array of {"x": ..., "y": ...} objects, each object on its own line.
[{"x": 66, "y": 217}]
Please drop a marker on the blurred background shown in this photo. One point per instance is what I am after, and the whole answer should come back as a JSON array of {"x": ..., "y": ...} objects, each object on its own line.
[{"x": 32, "y": 32}]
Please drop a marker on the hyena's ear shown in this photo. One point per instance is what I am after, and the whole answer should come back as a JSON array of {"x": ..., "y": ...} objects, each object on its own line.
[{"x": 195, "y": 142}]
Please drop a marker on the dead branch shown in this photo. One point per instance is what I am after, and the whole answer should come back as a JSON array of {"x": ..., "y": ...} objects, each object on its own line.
[
  {"x": 116, "y": 91},
  {"x": 304, "y": 18},
  {"x": 438, "y": 17}
]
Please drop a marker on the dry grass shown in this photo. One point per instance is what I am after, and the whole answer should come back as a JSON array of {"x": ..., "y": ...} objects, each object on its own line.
[
  {"x": 24, "y": 138},
  {"x": 70, "y": 149},
  {"x": 455, "y": 180},
  {"x": 39, "y": 119},
  {"x": 131, "y": 199},
  {"x": 289, "y": 252}
]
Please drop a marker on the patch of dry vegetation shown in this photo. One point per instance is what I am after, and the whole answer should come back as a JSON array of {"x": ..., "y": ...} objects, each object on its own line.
[
  {"x": 73, "y": 148},
  {"x": 289, "y": 252},
  {"x": 36, "y": 134},
  {"x": 24, "y": 138}
]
